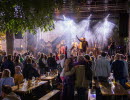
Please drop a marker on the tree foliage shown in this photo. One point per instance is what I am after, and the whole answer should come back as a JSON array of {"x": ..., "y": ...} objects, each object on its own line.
[{"x": 22, "y": 15}]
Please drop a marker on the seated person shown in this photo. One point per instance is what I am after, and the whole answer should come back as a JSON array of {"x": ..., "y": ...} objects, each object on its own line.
[
  {"x": 6, "y": 79},
  {"x": 7, "y": 93},
  {"x": 18, "y": 76},
  {"x": 29, "y": 71}
]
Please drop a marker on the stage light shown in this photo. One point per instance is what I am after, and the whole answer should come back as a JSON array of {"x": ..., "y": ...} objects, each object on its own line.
[{"x": 106, "y": 18}]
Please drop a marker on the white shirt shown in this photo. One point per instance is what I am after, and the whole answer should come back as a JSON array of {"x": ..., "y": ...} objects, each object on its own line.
[{"x": 61, "y": 62}]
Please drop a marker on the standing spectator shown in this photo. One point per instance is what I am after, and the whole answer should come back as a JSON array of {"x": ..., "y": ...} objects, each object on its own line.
[
  {"x": 9, "y": 65},
  {"x": 41, "y": 64},
  {"x": 112, "y": 48},
  {"x": 25, "y": 61},
  {"x": 119, "y": 71},
  {"x": 126, "y": 74},
  {"x": 21, "y": 58},
  {"x": 61, "y": 62},
  {"x": 3, "y": 62},
  {"x": 102, "y": 68},
  {"x": 14, "y": 56},
  {"x": 80, "y": 82},
  {"x": 68, "y": 82},
  {"x": 29, "y": 71},
  {"x": 45, "y": 62},
  {"x": 112, "y": 59},
  {"x": 88, "y": 70},
  {"x": 51, "y": 62},
  {"x": 17, "y": 62}
]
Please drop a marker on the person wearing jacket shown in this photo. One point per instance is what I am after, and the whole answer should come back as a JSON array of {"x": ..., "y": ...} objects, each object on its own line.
[
  {"x": 119, "y": 70},
  {"x": 29, "y": 71},
  {"x": 81, "y": 83},
  {"x": 102, "y": 68}
]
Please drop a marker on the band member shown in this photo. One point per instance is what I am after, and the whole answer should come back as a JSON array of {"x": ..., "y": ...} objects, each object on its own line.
[
  {"x": 62, "y": 49},
  {"x": 74, "y": 49},
  {"x": 83, "y": 45}
]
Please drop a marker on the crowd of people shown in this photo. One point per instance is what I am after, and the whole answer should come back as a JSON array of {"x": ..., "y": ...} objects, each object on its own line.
[{"x": 75, "y": 72}]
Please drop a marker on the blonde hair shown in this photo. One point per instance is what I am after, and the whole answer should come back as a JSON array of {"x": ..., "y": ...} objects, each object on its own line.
[
  {"x": 6, "y": 73},
  {"x": 18, "y": 68},
  {"x": 117, "y": 56}
]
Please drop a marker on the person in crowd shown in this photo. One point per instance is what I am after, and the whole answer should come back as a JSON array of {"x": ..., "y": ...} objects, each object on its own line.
[
  {"x": 68, "y": 82},
  {"x": 126, "y": 66},
  {"x": 29, "y": 71},
  {"x": 88, "y": 70},
  {"x": 80, "y": 78},
  {"x": 112, "y": 59},
  {"x": 18, "y": 76},
  {"x": 14, "y": 56},
  {"x": 91, "y": 54},
  {"x": 3, "y": 54},
  {"x": 35, "y": 65},
  {"x": 45, "y": 62},
  {"x": 41, "y": 64},
  {"x": 57, "y": 57},
  {"x": 8, "y": 94},
  {"x": 112, "y": 48},
  {"x": 51, "y": 62},
  {"x": 8, "y": 64},
  {"x": 21, "y": 58},
  {"x": 32, "y": 58},
  {"x": 17, "y": 62},
  {"x": 61, "y": 61},
  {"x": 80, "y": 61},
  {"x": 119, "y": 70},
  {"x": 3, "y": 62},
  {"x": 6, "y": 79},
  {"x": 25, "y": 61},
  {"x": 102, "y": 68}
]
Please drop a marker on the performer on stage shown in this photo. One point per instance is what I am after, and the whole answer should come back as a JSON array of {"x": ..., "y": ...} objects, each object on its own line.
[
  {"x": 74, "y": 49},
  {"x": 62, "y": 48},
  {"x": 83, "y": 45}
]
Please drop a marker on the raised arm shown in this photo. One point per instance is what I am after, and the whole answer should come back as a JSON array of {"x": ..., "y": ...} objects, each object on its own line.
[{"x": 78, "y": 38}]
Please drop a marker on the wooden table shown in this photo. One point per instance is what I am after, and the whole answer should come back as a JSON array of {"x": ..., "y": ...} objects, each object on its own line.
[
  {"x": 106, "y": 92},
  {"x": 33, "y": 92},
  {"x": 48, "y": 78},
  {"x": 25, "y": 89}
]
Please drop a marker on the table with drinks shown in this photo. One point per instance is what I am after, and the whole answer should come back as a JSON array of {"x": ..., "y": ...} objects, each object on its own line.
[
  {"x": 112, "y": 90},
  {"x": 31, "y": 89},
  {"x": 50, "y": 77}
]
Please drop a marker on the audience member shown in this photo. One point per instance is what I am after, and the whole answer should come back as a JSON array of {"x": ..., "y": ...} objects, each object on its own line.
[
  {"x": 18, "y": 77},
  {"x": 6, "y": 79},
  {"x": 8, "y": 94}
]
